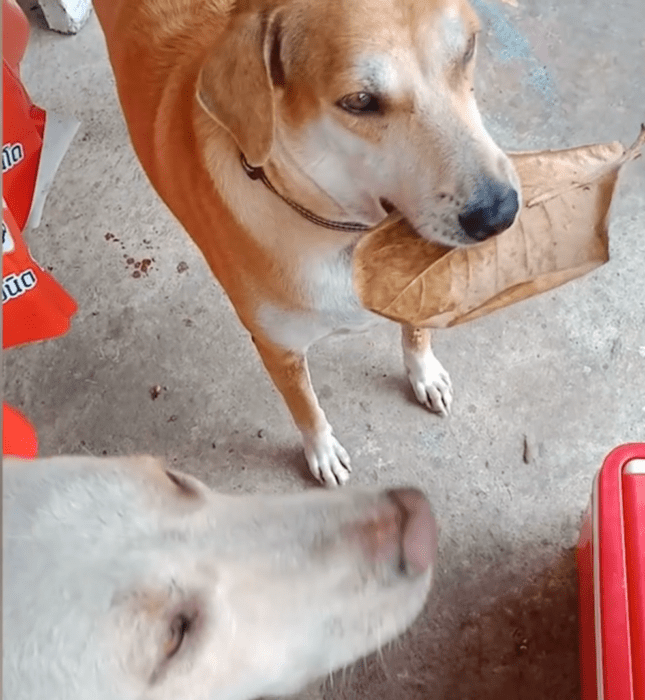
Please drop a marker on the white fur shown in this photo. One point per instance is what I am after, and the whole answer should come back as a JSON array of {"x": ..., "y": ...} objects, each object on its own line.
[
  {"x": 327, "y": 459},
  {"x": 335, "y": 307},
  {"x": 430, "y": 381},
  {"x": 341, "y": 165},
  {"x": 101, "y": 555},
  {"x": 453, "y": 35},
  {"x": 379, "y": 74}
]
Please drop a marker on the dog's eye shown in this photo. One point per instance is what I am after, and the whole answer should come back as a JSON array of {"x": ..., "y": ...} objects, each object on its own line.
[
  {"x": 360, "y": 103},
  {"x": 470, "y": 49},
  {"x": 179, "y": 627}
]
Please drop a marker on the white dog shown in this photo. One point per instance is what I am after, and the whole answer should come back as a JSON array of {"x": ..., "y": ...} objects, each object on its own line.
[{"x": 123, "y": 581}]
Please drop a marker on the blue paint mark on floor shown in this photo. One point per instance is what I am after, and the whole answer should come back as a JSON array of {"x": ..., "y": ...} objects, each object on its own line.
[{"x": 516, "y": 46}]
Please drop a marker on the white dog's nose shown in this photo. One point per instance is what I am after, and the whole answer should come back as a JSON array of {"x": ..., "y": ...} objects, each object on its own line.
[
  {"x": 418, "y": 529},
  {"x": 403, "y": 533}
]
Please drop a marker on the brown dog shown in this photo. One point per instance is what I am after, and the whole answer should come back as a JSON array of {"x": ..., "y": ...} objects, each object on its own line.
[{"x": 277, "y": 131}]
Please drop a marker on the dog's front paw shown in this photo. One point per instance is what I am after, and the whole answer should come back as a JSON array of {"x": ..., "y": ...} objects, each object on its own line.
[
  {"x": 430, "y": 382},
  {"x": 327, "y": 459}
]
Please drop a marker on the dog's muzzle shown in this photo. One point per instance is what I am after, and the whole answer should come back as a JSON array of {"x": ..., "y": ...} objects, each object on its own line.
[{"x": 402, "y": 533}]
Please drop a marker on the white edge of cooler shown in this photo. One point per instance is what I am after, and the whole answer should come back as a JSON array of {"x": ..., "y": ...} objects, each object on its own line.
[{"x": 635, "y": 466}]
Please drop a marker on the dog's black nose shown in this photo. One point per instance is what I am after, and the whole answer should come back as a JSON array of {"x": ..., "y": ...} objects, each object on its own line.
[{"x": 490, "y": 210}]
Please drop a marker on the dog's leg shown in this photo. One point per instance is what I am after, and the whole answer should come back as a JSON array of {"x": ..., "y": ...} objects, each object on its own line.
[
  {"x": 430, "y": 381},
  {"x": 327, "y": 459}
]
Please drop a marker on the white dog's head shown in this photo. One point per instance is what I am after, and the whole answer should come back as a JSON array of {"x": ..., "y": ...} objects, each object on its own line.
[
  {"x": 367, "y": 105},
  {"x": 124, "y": 581}
]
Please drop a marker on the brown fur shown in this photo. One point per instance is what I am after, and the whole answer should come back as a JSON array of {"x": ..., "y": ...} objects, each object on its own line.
[{"x": 199, "y": 81}]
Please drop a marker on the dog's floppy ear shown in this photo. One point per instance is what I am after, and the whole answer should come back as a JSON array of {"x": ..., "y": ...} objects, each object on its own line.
[{"x": 235, "y": 83}]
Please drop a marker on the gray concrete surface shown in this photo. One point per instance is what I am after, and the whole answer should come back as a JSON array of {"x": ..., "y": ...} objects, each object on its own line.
[{"x": 565, "y": 371}]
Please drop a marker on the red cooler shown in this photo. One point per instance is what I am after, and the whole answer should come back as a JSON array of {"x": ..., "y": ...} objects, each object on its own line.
[{"x": 611, "y": 570}]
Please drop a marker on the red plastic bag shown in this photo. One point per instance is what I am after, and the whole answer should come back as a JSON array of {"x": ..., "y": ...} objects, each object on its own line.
[
  {"x": 18, "y": 437},
  {"x": 15, "y": 34},
  {"x": 34, "y": 305},
  {"x": 23, "y": 125}
]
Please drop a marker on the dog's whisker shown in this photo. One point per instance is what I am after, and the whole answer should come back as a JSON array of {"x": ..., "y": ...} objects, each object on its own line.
[{"x": 89, "y": 452}]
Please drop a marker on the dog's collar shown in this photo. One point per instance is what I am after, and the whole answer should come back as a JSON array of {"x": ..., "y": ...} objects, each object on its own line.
[{"x": 257, "y": 173}]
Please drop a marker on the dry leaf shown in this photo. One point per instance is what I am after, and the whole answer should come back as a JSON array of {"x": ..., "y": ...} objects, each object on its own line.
[{"x": 561, "y": 234}]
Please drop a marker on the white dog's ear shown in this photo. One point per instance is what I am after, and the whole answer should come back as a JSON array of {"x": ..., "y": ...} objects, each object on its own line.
[{"x": 235, "y": 84}]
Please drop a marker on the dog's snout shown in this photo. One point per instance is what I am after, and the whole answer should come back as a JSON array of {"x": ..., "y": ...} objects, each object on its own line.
[
  {"x": 490, "y": 210},
  {"x": 403, "y": 532},
  {"x": 418, "y": 529}
]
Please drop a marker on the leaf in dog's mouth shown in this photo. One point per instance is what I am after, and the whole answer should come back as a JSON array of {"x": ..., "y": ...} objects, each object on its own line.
[{"x": 561, "y": 234}]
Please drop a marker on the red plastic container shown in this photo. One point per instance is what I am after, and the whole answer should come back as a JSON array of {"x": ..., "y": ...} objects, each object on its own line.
[{"x": 611, "y": 570}]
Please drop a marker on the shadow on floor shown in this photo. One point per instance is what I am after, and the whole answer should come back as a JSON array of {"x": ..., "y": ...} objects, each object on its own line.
[{"x": 523, "y": 646}]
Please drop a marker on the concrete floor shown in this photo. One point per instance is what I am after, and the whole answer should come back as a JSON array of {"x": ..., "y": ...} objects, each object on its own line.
[{"x": 565, "y": 371}]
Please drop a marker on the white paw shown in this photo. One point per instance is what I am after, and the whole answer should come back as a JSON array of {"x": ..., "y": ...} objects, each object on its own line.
[
  {"x": 430, "y": 382},
  {"x": 327, "y": 459}
]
